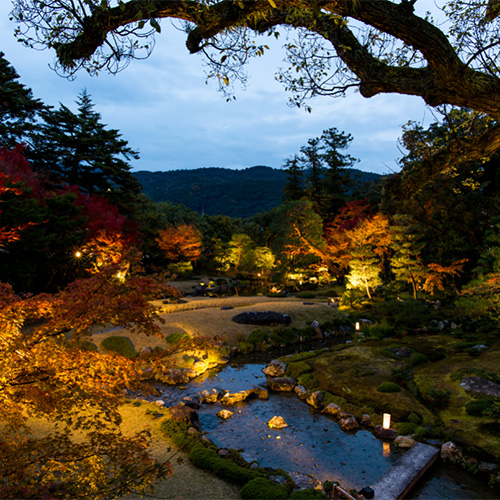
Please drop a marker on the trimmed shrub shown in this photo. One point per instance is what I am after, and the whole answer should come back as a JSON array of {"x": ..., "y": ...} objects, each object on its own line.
[
  {"x": 305, "y": 494},
  {"x": 405, "y": 428},
  {"x": 277, "y": 339},
  {"x": 387, "y": 387},
  {"x": 258, "y": 336},
  {"x": 305, "y": 295},
  {"x": 176, "y": 338},
  {"x": 409, "y": 313},
  {"x": 380, "y": 331},
  {"x": 208, "y": 459},
  {"x": 261, "y": 488},
  {"x": 438, "y": 399},
  {"x": 476, "y": 407},
  {"x": 413, "y": 418},
  {"x": 120, "y": 345},
  {"x": 246, "y": 347},
  {"x": 87, "y": 345},
  {"x": 417, "y": 358}
]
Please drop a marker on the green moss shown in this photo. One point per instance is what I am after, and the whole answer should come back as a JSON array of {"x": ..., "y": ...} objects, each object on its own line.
[
  {"x": 178, "y": 433},
  {"x": 295, "y": 370},
  {"x": 308, "y": 381},
  {"x": 120, "y": 345},
  {"x": 387, "y": 387},
  {"x": 305, "y": 295},
  {"x": 262, "y": 489}
]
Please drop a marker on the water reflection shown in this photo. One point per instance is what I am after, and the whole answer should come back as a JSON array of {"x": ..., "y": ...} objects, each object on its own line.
[{"x": 312, "y": 444}]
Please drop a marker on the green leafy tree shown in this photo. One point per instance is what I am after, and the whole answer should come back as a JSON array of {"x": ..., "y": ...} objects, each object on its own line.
[
  {"x": 376, "y": 47},
  {"x": 241, "y": 252},
  {"x": 452, "y": 207},
  {"x": 18, "y": 107},
  {"x": 364, "y": 269},
  {"x": 264, "y": 259},
  {"x": 78, "y": 149},
  {"x": 481, "y": 296}
]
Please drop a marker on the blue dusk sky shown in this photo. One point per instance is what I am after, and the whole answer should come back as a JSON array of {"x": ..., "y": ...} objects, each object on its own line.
[{"x": 166, "y": 110}]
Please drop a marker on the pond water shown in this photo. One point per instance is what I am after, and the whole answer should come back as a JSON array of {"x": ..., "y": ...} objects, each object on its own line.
[{"x": 313, "y": 443}]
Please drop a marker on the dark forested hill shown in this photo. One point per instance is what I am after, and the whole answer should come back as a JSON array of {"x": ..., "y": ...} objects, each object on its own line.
[{"x": 238, "y": 193}]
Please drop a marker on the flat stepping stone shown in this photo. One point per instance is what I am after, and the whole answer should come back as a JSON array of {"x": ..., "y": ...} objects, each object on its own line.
[{"x": 397, "y": 481}]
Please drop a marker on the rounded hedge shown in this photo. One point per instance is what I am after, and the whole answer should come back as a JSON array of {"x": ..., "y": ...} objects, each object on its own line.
[
  {"x": 306, "y": 494},
  {"x": 262, "y": 489},
  {"x": 176, "y": 338},
  {"x": 387, "y": 387},
  {"x": 476, "y": 407},
  {"x": 120, "y": 345},
  {"x": 208, "y": 459}
]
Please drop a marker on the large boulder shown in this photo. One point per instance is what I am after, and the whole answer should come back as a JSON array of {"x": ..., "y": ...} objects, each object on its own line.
[
  {"x": 481, "y": 385},
  {"x": 263, "y": 318},
  {"x": 182, "y": 413},
  {"x": 281, "y": 384},
  {"x": 275, "y": 368}
]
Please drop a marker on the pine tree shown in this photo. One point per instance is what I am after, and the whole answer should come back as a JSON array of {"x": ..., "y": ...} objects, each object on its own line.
[
  {"x": 337, "y": 179},
  {"x": 79, "y": 149},
  {"x": 311, "y": 162},
  {"x": 407, "y": 244},
  {"x": 18, "y": 107},
  {"x": 294, "y": 188}
]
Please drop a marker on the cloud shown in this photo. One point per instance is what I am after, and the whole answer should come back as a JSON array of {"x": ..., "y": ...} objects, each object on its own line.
[{"x": 164, "y": 107}]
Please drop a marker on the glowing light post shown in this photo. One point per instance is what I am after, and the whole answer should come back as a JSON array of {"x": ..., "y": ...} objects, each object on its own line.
[{"x": 387, "y": 421}]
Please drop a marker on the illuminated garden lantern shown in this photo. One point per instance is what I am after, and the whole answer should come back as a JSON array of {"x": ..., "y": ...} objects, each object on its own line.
[{"x": 387, "y": 421}]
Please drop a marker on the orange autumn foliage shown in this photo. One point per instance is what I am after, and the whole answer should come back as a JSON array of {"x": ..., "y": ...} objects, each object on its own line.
[
  {"x": 46, "y": 372},
  {"x": 182, "y": 243}
]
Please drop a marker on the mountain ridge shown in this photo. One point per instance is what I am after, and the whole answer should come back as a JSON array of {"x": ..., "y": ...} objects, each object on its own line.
[{"x": 217, "y": 190}]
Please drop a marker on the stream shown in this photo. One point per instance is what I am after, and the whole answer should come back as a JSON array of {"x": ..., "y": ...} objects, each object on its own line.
[{"x": 313, "y": 443}]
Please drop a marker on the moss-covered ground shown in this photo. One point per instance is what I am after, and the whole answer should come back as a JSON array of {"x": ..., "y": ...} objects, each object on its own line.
[{"x": 430, "y": 385}]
